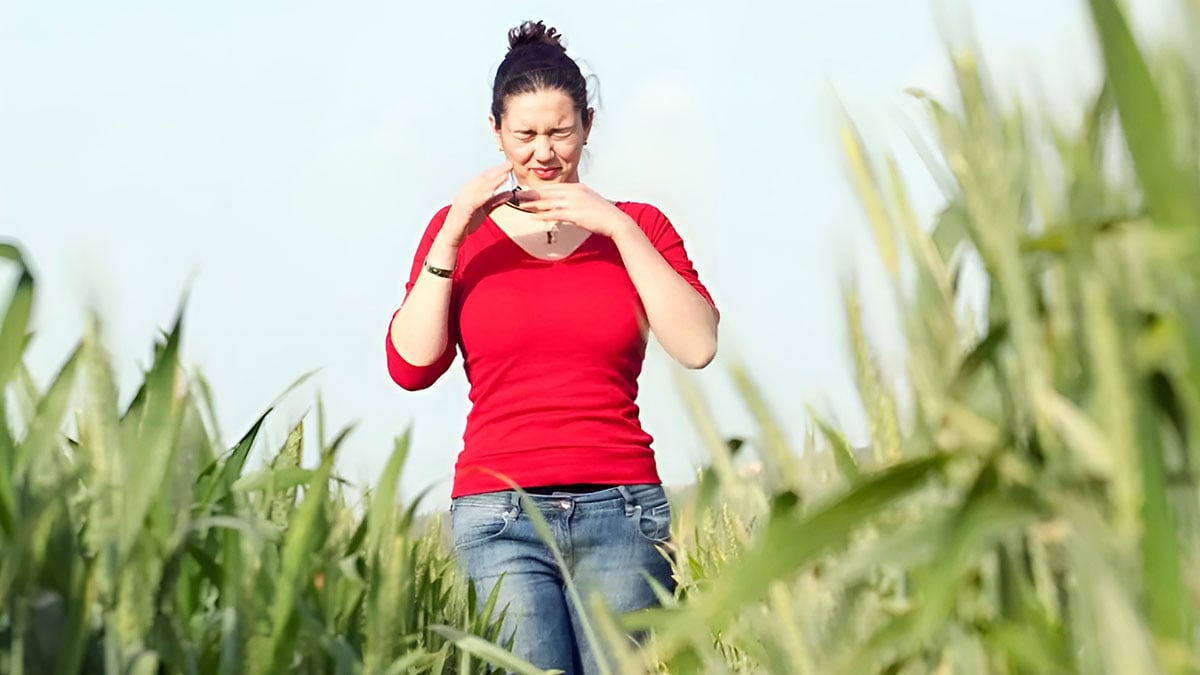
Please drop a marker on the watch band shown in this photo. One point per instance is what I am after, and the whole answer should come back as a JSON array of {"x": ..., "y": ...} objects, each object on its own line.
[{"x": 438, "y": 271}]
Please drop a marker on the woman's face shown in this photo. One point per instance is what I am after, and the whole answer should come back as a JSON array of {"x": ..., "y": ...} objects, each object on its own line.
[{"x": 542, "y": 135}]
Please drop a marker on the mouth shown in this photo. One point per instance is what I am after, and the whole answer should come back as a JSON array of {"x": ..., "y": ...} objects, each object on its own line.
[{"x": 545, "y": 173}]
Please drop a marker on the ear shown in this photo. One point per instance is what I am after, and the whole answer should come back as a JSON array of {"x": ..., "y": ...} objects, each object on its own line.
[
  {"x": 492, "y": 127},
  {"x": 588, "y": 118}
]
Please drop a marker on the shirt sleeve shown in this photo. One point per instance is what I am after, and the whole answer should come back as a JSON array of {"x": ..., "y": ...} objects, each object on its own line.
[
  {"x": 670, "y": 246},
  {"x": 403, "y": 373}
]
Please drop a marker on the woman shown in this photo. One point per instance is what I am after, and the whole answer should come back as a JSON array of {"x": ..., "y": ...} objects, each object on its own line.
[{"x": 549, "y": 291}]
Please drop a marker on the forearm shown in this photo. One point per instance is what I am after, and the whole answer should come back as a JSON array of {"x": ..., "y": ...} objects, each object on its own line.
[
  {"x": 420, "y": 330},
  {"x": 682, "y": 320}
]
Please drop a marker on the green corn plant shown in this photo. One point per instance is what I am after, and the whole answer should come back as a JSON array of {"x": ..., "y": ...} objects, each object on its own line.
[
  {"x": 40, "y": 569},
  {"x": 1036, "y": 510},
  {"x": 130, "y": 544}
]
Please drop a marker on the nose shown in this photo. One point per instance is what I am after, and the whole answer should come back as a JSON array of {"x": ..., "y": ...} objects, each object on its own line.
[{"x": 543, "y": 150}]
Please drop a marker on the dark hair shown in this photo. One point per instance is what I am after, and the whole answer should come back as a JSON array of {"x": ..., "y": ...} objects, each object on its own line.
[{"x": 537, "y": 60}]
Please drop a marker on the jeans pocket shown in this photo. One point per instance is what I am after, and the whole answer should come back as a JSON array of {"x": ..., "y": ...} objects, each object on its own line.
[
  {"x": 473, "y": 524},
  {"x": 654, "y": 523}
]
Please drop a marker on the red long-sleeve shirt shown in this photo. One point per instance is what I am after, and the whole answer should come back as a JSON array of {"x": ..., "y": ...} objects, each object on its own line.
[{"x": 552, "y": 351}]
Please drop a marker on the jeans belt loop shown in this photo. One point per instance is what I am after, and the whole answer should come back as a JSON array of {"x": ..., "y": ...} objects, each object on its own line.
[{"x": 630, "y": 501}]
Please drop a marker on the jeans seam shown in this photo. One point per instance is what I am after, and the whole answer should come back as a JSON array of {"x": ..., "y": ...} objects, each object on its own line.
[
  {"x": 509, "y": 516},
  {"x": 651, "y": 513}
]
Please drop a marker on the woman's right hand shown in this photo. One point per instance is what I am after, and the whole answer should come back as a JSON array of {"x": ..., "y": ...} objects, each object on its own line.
[{"x": 473, "y": 204}]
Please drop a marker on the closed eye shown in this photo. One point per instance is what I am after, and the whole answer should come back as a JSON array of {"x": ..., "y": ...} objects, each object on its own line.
[{"x": 528, "y": 134}]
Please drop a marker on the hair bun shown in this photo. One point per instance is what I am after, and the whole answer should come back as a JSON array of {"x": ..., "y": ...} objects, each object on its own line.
[{"x": 533, "y": 34}]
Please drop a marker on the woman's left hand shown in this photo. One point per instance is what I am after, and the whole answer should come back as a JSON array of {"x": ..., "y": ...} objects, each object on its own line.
[{"x": 577, "y": 204}]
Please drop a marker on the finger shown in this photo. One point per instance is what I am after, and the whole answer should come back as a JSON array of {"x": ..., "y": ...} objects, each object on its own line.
[
  {"x": 498, "y": 174},
  {"x": 564, "y": 218},
  {"x": 497, "y": 200},
  {"x": 543, "y": 197},
  {"x": 565, "y": 188},
  {"x": 526, "y": 196},
  {"x": 496, "y": 185},
  {"x": 554, "y": 188},
  {"x": 494, "y": 177},
  {"x": 542, "y": 205}
]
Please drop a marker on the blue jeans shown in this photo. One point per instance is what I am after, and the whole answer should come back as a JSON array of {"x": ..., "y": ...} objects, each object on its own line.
[{"x": 609, "y": 539}]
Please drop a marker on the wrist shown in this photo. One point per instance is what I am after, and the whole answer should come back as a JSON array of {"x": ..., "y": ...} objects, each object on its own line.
[
  {"x": 437, "y": 271},
  {"x": 624, "y": 229},
  {"x": 454, "y": 229},
  {"x": 443, "y": 253}
]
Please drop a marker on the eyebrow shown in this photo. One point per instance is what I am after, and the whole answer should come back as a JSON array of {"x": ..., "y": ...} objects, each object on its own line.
[{"x": 557, "y": 130}]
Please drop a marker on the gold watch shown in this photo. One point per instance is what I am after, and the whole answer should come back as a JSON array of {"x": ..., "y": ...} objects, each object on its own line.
[{"x": 438, "y": 271}]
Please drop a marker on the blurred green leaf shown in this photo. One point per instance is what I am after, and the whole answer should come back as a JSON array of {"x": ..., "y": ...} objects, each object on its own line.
[
  {"x": 989, "y": 512},
  {"x": 297, "y": 546},
  {"x": 791, "y": 542},
  {"x": 871, "y": 198},
  {"x": 76, "y": 629},
  {"x": 155, "y": 448},
  {"x": 843, "y": 454},
  {"x": 382, "y": 510},
  {"x": 274, "y": 479},
  {"x": 281, "y": 496},
  {"x": 1169, "y": 603},
  {"x": 46, "y": 429},
  {"x": 12, "y": 253},
  {"x": 14, "y": 325},
  {"x": 1172, "y": 192},
  {"x": 231, "y": 467},
  {"x": 774, "y": 450},
  {"x": 472, "y": 644},
  {"x": 877, "y": 399}
]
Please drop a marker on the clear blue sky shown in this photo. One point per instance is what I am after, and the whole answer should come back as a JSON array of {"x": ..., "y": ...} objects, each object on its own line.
[{"x": 288, "y": 154}]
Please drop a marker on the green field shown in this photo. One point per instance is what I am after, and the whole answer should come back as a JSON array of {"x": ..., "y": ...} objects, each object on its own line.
[{"x": 1028, "y": 502}]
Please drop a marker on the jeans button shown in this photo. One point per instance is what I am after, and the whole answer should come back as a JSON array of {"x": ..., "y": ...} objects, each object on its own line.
[{"x": 565, "y": 504}]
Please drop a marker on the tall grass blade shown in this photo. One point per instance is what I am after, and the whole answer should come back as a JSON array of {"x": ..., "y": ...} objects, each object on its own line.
[
  {"x": 45, "y": 432},
  {"x": 14, "y": 325},
  {"x": 791, "y": 542},
  {"x": 382, "y": 511},
  {"x": 155, "y": 448},
  {"x": 297, "y": 546},
  {"x": 702, "y": 421},
  {"x": 880, "y": 406},
  {"x": 843, "y": 454},
  {"x": 231, "y": 467},
  {"x": 473, "y": 644},
  {"x": 871, "y": 198},
  {"x": 1171, "y": 190},
  {"x": 281, "y": 496},
  {"x": 77, "y": 631},
  {"x": 775, "y": 452},
  {"x": 1170, "y": 607},
  {"x": 210, "y": 408},
  {"x": 274, "y": 480},
  {"x": 12, "y": 253}
]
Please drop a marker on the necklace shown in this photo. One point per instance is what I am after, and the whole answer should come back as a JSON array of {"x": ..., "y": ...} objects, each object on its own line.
[{"x": 551, "y": 234}]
